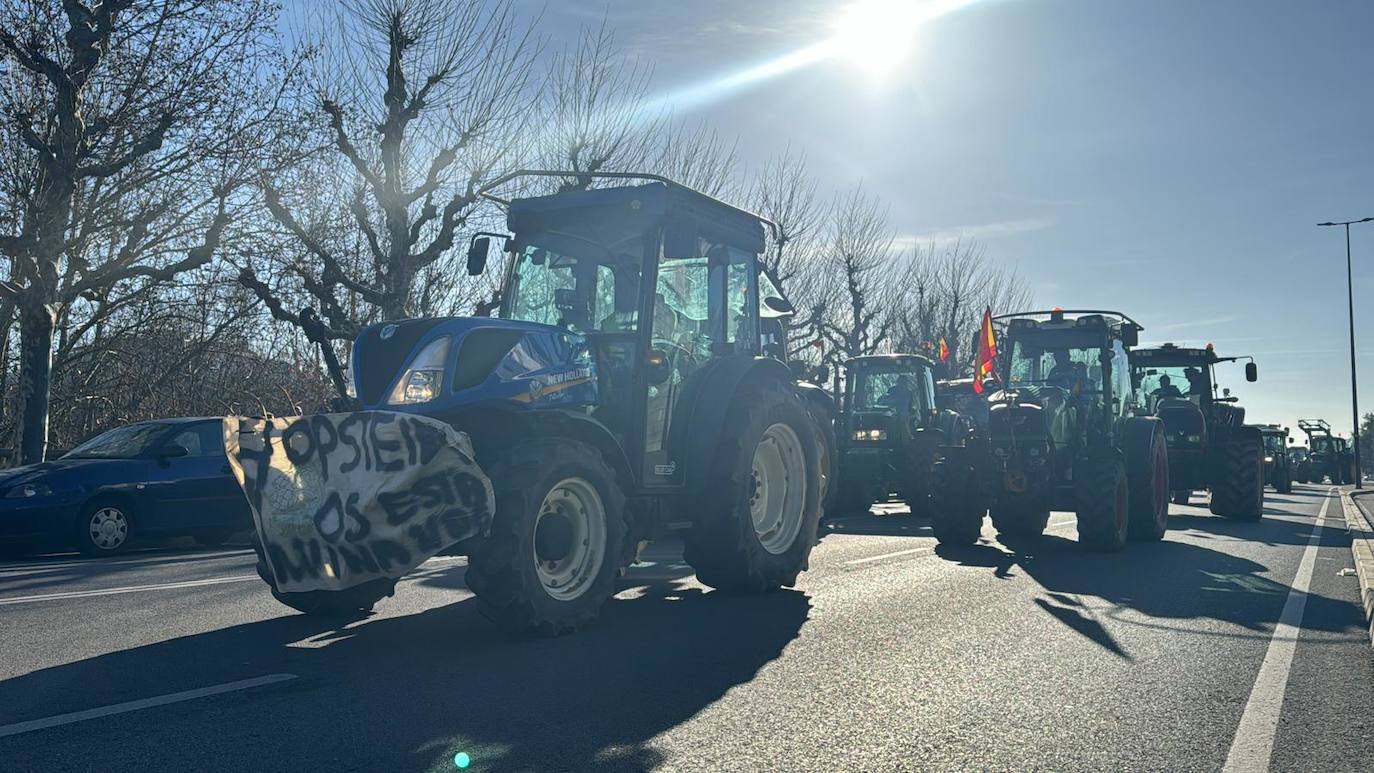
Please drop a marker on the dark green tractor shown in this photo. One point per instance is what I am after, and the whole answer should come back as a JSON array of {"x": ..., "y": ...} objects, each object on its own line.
[
  {"x": 1278, "y": 467},
  {"x": 1210, "y": 446},
  {"x": 889, "y": 430},
  {"x": 1328, "y": 456},
  {"x": 1061, "y": 434}
]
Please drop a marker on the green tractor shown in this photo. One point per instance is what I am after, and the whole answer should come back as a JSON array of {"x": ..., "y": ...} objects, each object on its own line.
[
  {"x": 889, "y": 430},
  {"x": 1278, "y": 467},
  {"x": 1061, "y": 434},
  {"x": 1328, "y": 456},
  {"x": 1210, "y": 446},
  {"x": 1297, "y": 462}
]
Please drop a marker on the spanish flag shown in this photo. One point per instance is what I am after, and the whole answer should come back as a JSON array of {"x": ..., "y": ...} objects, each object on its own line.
[
  {"x": 987, "y": 353},
  {"x": 944, "y": 350}
]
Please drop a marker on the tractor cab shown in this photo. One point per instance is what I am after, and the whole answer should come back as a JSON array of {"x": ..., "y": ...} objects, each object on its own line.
[
  {"x": 614, "y": 305},
  {"x": 1178, "y": 380},
  {"x": 1073, "y": 370},
  {"x": 1328, "y": 455},
  {"x": 1278, "y": 465}
]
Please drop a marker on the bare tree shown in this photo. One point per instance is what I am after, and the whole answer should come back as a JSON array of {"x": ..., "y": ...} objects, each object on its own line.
[
  {"x": 130, "y": 129},
  {"x": 857, "y": 304}
]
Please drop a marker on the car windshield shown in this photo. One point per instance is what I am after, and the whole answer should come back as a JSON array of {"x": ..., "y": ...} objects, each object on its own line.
[
  {"x": 571, "y": 282},
  {"x": 121, "y": 443}
]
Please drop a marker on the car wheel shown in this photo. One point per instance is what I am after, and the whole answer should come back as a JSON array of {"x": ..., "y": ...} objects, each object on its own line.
[{"x": 104, "y": 529}]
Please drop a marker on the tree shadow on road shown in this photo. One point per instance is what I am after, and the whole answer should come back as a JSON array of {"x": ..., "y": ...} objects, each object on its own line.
[
  {"x": 1169, "y": 580},
  {"x": 408, "y": 692}
]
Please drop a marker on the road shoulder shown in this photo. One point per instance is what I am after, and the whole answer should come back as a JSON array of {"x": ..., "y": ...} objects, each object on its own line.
[{"x": 1360, "y": 525}]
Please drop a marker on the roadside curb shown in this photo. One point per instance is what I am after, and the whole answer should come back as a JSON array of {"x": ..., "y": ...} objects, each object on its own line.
[{"x": 1361, "y": 530}]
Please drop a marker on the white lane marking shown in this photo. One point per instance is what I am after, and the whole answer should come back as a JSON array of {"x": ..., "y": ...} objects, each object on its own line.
[
  {"x": 144, "y": 703},
  {"x": 931, "y": 548},
  {"x": 96, "y": 563},
  {"x": 1254, "y": 741},
  {"x": 81, "y": 594}
]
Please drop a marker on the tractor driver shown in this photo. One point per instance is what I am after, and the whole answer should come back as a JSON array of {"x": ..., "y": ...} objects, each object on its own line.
[
  {"x": 1066, "y": 373},
  {"x": 1166, "y": 389},
  {"x": 1197, "y": 385},
  {"x": 900, "y": 397}
]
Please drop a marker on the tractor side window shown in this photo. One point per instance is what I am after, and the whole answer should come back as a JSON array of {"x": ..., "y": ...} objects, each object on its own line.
[
  {"x": 577, "y": 284},
  {"x": 740, "y": 326},
  {"x": 1121, "y": 378}
]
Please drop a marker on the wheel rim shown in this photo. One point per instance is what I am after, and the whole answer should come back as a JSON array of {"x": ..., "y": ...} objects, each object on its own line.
[
  {"x": 108, "y": 528},
  {"x": 777, "y": 498},
  {"x": 570, "y": 539}
]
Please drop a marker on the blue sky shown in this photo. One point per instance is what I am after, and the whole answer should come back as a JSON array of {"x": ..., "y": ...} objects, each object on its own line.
[{"x": 1169, "y": 159}]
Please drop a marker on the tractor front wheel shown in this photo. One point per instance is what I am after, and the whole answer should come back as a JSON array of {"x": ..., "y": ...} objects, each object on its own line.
[
  {"x": 1103, "y": 495},
  {"x": 349, "y": 603},
  {"x": 956, "y": 509},
  {"x": 761, "y": 503},
  {"x": 1019, "y": 517},
  {"x": 1182, "y": 496},
  {"x": 1239, "y": 493},
  {"x": 556, "y": 542},
  {"x": 1148, "y": 456}
]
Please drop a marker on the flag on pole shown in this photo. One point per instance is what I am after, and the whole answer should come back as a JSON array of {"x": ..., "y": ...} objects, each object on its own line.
[
  {"x": 985, "y": 365},
  {"x": 944, "y": 350}
]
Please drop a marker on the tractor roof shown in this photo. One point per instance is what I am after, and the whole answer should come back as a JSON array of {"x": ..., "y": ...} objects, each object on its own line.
[
  {"x": 1170, "y": 354},
  {"x": 683, "y": 211},
  {"x": 888, "y": 361},
  {"x": 1055, "y": 318}
]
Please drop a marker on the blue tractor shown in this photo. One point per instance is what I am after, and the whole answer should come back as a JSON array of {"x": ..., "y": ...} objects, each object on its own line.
[{"x": 630, "y": 385}]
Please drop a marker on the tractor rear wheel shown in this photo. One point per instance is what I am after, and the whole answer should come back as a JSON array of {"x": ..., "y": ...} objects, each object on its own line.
[
  {"x": 761, "y": 502},
  {"x": 349, "y": 603},
  {"x": 1103, "y": 494},
  {"x": 1019, "y": 517},
  {"x": 556, "y": 542},
  {"x": 1182, "y": 496},
  {"x": 956, "y": 509},
  {"x": 1148, "y": 475},
  {"x": 1284, "y": 483},
  {"x": 1239, "y": 493}
]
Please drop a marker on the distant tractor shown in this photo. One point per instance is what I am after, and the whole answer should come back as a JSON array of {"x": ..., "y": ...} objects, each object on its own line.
[
  {"x": 889, "y": 430},
  {"x": 1297, "y": 462},
  {"x": 1210, "y": 447},
  {"x": 1328, "y": 456},
  {"x": 1061, "y": 434},
  {"x": 625, "y": 390},
  {"x": 1278, "y": 467}
]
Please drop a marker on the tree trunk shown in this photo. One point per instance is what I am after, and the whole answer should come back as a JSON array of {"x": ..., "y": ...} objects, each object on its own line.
[{"x": 36, "y": 325}]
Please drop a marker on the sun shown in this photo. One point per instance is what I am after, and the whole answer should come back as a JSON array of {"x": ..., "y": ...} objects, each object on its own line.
[{"x": 877, "y": 35}]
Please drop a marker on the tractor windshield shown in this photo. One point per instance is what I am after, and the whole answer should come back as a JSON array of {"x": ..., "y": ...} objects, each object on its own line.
[
  {"x": 1273, "y": 443},
  {"x": 891, "y": 391},
  {"x": 575, "y": 283},
  {"x": 1324, "y": 445},
  {"x": 1176, "y": 381},
  {"x": 1072, "y": 368}
]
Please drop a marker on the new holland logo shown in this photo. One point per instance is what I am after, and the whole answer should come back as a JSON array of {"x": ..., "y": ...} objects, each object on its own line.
[{"x": 388, "y": 331}]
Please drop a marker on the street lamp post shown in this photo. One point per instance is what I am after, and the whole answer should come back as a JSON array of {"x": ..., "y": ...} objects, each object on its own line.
[{"x": 1350, "y": 299}]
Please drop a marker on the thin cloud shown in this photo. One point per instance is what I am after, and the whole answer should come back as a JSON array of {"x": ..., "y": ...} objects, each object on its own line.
[{"x": 982, "y": 232}]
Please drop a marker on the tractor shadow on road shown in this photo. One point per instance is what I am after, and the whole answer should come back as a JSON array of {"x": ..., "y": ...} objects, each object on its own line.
[
  {"x": 408, "y": 692},
  {"x": 1168, "y": 580}
]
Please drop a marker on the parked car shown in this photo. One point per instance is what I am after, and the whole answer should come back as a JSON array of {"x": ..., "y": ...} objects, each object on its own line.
[{"x": 160, "y": 478}]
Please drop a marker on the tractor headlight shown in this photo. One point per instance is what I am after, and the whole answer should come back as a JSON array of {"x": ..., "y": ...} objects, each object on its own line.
[
  {"x": 870, "y": 434},
  {"x": 423, "y": 377},
  {"x": 1194, "y": 438},
  {"x": 1268, "y": 460}
]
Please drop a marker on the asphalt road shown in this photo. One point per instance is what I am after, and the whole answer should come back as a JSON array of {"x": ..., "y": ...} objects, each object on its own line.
[{"x": 1197, "y": 653}]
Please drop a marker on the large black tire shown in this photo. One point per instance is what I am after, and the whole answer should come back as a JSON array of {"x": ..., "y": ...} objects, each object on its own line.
[
  {"x": 724, "y": 546},
  {"x": 916, "y": 476},
  {"x": 828, "y": 456},
  {"x": 956, "y": 507},
  {"x": 349, "y": 603},
  {"x": 1019, "y": 516},
  {"x": 1284, "y": 483},
  {"x": 544, "y": 488},
  {"x": 1103, "y": 495},
  {"x": 1182, "y": 496},
  {"x": 1239, "y": 491},
  {"x": 1147, "y": 473},
  {"x": 855, "y": 499},
  {"x": 105, "y": 528}
]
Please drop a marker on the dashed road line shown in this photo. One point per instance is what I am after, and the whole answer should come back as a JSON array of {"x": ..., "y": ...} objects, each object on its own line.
[{"x": 143, "y": 703}]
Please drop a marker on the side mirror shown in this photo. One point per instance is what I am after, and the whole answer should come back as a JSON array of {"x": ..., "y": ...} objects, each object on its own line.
[
  {"x": 1226, "y": 392},
  {"x": 656, "y": 367},
  {"x": 477, "y": 255},
  {"x": 1129, "y": 335},
  {"x": 172, "y": 451},
  {"x": 1251, "y": 372},
  {"x": 779, "y": 306}
]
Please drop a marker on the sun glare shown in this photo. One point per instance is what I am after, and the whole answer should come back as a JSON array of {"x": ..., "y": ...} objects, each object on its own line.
[{"x": 876, "y": 35}]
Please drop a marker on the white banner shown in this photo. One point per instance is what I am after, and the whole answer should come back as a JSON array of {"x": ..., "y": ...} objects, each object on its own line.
[{"x": 340, "y": 499}]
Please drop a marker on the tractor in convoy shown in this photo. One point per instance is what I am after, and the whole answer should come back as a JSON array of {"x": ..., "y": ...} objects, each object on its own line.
[
  {"x": 889, "y": 430},
  {"x": 1328, "y": 456},
  {"x": 1297, "y": 462},
  {"x": 1278, "y": 467},
  {"x": 1210, "y": 446},
  {"x": 623, "y": 390},
  {"x": 1061, "y": 434}
]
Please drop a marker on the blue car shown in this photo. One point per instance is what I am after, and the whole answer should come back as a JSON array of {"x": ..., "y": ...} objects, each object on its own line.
[{"x": 160, "y": 478}]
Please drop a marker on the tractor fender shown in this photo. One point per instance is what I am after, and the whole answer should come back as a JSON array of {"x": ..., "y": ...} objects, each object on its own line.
[
  {"x": 494, "y": 429},
  {"x": 1136, "y": 434},
  {"x": 709, "y": 403}
]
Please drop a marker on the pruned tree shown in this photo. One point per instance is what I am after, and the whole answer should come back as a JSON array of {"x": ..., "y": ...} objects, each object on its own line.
[
  {"x": 857, "y": 302},
  {"x": 130, "y": 129},
  {"x": 415, "y": 109}
]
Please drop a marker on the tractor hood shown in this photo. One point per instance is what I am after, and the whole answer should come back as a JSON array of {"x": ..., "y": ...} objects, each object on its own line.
[{"x": 432, "y": 366}]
